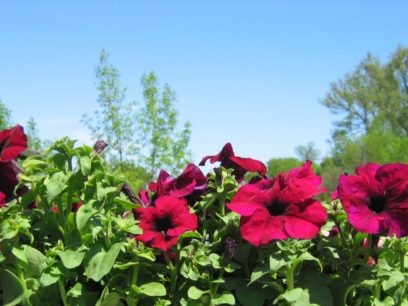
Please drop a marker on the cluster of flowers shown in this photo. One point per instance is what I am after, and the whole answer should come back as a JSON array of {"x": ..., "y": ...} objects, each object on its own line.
[{"x": 375, "y": 198}]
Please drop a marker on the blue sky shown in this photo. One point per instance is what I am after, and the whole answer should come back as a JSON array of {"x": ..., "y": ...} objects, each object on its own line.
[{"x": 247, "y": 72}]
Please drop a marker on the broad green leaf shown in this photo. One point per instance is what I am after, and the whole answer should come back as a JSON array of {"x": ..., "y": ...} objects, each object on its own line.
[
  {"x": 47, "y": 279},
  {"x": 153, "y": 289},
  {"x": 75, "y": 291},
  {"x": 275, "y": 264},
  {"x": 84, "y": 213},
  {"x": 307, "y": 256},
  {"x": 71, "y": 258},
  {"x": 98, "y": 262},
  {"x": 258, "y": 273},
  {"x": 395, "y": 279},
  {"x": 112, "y": 299},
  {"x": 297, "y": 297},
  {"x": 194, "y": 293},
  {"x": 85, "y": 163},
  {"x": 225, "y": 298},
  {"x": 55, "y": 184},
  {"x": 35, "y": 260},
  {"x": 13, "y": 290},
  {"x": 102, "y": 192}
]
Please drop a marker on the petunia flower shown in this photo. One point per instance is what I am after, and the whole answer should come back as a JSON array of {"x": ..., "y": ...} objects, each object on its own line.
[
  {"x": 2, "y": 199},
  {"x": 376, "y": 198},
  {"x": 241, "y": 165},
  {"x": 281, "y": 207},
  {"x": 164, "y": 222},
  {"x": 8, "y": 178},
  {"x": 190, "y": 184},
  {"x": 12, "y": 143}
]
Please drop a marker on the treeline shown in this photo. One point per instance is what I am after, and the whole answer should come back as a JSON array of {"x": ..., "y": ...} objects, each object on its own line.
[
  {"x": 370, "y": 105},
  {"x": 142, "y": 137}
]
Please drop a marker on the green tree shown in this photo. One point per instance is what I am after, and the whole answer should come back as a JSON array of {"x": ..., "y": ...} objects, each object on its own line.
[
  {"x": 395, "y": 83},
  {"x": 163, "y": 146},
  {"x": 113, "y": 120},
  {"x": 283, "y": 164},
  {"x": 34, "y": 141},
  {"x": 307, "y": 152},
  {"x": 5, "y": 116},
  {"x": 357, "y": 97}
]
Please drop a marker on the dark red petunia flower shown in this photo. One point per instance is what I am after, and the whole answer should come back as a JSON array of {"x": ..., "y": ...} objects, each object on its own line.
[
  {"x": 12, "y": 143},
  {"x": 280, "y": 207},
  {"x": 189, "y": 184},
  {"x": 2, "y": 199},
  {"x": 8, "y": 178},
  {"x": 241, "y": 165},
  {"x": 163, "y": 223},
  {"x": 376, "y": 198}
]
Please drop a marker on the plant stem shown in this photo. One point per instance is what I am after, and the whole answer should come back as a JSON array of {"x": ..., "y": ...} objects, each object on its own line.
[
  {"x": 173, "y": 273},
  {"x": 62, "y": 292},
  {"x": 290, "y": 279},
  {"x": 402, "y": 259},
  {"x": 221, "y": 203}
]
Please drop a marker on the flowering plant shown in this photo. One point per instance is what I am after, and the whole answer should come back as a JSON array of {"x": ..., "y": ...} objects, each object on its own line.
[{"x": 72, "y": 233}]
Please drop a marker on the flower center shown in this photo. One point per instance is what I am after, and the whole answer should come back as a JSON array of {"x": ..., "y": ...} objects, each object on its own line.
[
  {"x": 276, "y": 209},
  {"x": 163, "y": 224},
  {"x": 378, "y": 203}
]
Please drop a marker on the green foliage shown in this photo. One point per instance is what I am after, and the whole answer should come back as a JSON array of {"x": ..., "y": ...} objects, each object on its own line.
[
  {"x": 164, "y": 146},
  {"x": 112, "y": 122},
  {"x": 54, "y": 253},
  {"x": 278, "y": 165},
  {"x": 307, "y": 152},
  {"x": 34, "y": 142},
  {"x": 5, "y": 116}
]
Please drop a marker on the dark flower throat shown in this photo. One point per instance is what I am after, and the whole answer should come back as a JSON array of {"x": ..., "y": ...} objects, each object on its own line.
[
  {"x": 378, "y": 203},
  {"x": 276, "y": 209},
  {"x": 163, "y": 224}
]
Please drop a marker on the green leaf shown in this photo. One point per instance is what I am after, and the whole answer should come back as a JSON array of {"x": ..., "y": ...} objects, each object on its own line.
[
  {"x": 275, "y": 264},
  {"x": 47, "y": 279},
  {"x": 98, "y": 262},
  {"x": 71, "y": 258},
  {"x": 395, "y": 279},
  {"x": 112, "y": 299},
  {"x": 307, "y": 256},
  {"x": 85, "y": 163},
  {"x": 153, "y": 289},
  {"x": 35, "y": 260},
  {"x": 297, "y": 296},
  {"x": 258, "y": 273},
  {"x": 13, "y": 290},
  {"x": 225, "y": 298},
  {"x": 75, "y": 291},
  {"x": 55, "y": 184},
  {"x": 84, "y": 213},
  {"x": 102, "y": 192},
  {"x": 194, "y": 293}
]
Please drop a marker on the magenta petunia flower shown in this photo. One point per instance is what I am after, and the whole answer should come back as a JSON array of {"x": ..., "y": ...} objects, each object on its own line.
[
  {"x": 376, "y": 198},
  {"x": 241, "y": 165},
  {"x": 164, "y": 222},
  {"x": 190, "y": 184},
  {"x": 12, "y": 143},
  {"x": 281, "y": 207}
]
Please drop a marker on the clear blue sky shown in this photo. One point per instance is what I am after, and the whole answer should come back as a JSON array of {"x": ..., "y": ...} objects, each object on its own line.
[{"x": 248, "y": 72}]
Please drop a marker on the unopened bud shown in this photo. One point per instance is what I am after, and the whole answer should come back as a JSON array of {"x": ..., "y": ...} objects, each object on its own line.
[{"x": 99, "y": 146}]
